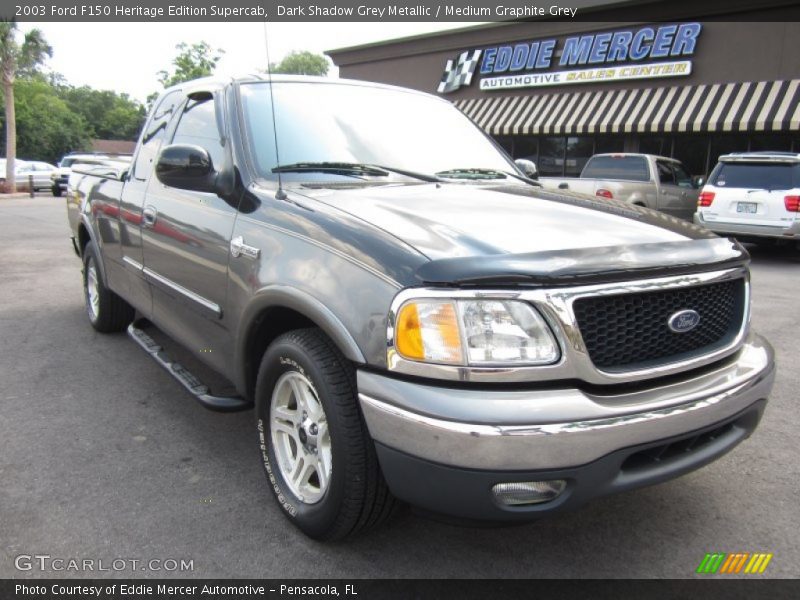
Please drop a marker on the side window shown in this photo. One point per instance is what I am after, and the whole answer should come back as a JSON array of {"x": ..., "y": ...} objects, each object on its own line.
[
  {"x": 154, "y": 134},
  {"x": 665, "y": 174},
  {"x": 198, "y": 126},
  {"x": 682, "y": 177}
]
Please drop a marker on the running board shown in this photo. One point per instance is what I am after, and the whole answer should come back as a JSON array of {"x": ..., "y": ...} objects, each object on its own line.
[{"x": 192, "y": 384}]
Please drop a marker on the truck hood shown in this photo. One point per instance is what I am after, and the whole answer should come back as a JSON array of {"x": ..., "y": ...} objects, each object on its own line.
[{"x": 459, "y": 226}]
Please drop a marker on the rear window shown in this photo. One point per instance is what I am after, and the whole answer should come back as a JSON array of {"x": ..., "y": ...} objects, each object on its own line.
[
  {"x": 627, "y": 168},
  {"x": 756, "y": 175}
]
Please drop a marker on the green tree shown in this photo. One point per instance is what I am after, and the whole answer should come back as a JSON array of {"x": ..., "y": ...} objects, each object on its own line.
[
  {"x": 301, "y": 63},
  {"x": 108, "y": 115},
  {"x": 46, "y": 126},
  {"x": 17, "y": 58},
  {"x": 193, "y": 61},
  {"x": 123, "y": 122}
]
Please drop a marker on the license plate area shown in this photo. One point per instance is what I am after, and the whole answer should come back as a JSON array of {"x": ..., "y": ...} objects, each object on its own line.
[{"x": 750, "y": 208}]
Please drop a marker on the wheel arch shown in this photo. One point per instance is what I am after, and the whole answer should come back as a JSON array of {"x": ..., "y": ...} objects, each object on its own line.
[
  {"x": 86, "y": 235},
  {"x": 272, "y": 312}
]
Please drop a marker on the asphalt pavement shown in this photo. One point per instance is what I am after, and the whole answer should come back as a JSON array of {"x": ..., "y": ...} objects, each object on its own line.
[{"x": 104, "y": 457}]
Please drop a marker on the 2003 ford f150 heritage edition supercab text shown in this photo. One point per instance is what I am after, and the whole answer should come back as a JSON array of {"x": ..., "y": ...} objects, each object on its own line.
[{"x": 410, "y": 316}]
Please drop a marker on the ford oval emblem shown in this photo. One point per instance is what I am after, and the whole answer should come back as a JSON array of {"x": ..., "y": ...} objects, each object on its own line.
[{"x": 683, "y": 321}]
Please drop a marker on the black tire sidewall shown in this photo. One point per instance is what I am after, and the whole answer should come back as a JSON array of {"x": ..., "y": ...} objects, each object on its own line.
[
  {"x": 90, "y": 257},
  {"x": 283, "y": 356}
]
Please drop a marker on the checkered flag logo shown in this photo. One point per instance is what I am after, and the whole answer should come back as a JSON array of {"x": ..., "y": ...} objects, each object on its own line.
[{"x": 460, "y": 72}]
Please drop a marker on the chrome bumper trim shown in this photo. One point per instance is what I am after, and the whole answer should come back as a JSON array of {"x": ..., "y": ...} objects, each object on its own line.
[{"x": 540, "y": 444}]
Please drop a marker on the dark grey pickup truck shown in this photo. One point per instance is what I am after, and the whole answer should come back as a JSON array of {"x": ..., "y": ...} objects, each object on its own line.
[{"x": 410, "y": 316}]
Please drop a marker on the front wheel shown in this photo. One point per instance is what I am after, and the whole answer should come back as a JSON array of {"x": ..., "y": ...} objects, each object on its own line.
[
  {"x": 56, "y": 190},
  {"x": 317, "y": 453}
]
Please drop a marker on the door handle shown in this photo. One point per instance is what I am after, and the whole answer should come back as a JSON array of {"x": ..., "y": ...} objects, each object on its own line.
[
  {"x": 239, "y": 248},
  {"x": 149, "y": 216}
]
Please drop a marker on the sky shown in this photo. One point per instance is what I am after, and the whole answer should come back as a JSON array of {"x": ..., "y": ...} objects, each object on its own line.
[{"x": 126, "y": 57}]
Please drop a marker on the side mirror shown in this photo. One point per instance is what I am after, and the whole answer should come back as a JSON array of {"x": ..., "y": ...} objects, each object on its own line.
[
  {"x": 528, "y": 167},
  {"x": 186, "y": 167},
  {"x": 698, "y": 182}
]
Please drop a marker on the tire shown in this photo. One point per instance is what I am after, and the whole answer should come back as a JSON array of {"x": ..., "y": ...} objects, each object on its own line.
[
  {"x": 56, "y": 190},
  {"x": 107, "y": 312},
  {"x": 342, "y": 491}
]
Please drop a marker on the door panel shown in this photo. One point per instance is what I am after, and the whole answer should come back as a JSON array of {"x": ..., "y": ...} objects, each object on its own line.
[
  {"x": 131, "y": 205},
  {"x": 671, "y": 197},
  {"x": 186, "y": 245},
  {"x": 689, "y": 194}
]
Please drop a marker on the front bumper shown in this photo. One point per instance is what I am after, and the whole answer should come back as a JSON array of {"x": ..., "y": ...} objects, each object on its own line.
[
  {"x": 790, "y": 231},
  {"x": 443, "y": 448}
]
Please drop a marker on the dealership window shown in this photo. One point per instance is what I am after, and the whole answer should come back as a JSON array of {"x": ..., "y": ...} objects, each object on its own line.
[
  {"x": 725, "y": 144},
  {"x": 660, "y": 145},
  {"x": 561, "y": 156},
  {"x": 692, "y": 151},
  {"x": 551, "y": 156},
  {"x": 701, "y": 152},
  {"x": 579, "y": 150},
  {"x": 770, "y": 141},
  {"x": 609, "y": 143},
  {"x": 527, "y": 148}
]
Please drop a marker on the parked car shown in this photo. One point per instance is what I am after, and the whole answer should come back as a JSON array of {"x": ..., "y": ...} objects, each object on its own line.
[
  {"x": 60, "y": 177},
  {"x": 411, "y": 317},
  {"x": 656, "y": 182},
  {"x": 41, "y": 172},
  {"x": 754, "y": 196}
]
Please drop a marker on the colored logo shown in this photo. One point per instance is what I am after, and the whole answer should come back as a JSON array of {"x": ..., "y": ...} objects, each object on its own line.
[
  {"x": 683, "y": 321},
  {"x": 720, "y": 563}
]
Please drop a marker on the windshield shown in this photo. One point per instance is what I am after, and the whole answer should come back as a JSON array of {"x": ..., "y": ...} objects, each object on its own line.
[{"x": 334, "y": 123}]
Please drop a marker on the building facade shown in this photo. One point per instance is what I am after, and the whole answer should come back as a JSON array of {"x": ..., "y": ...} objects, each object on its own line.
[{"x": 556, "y": 92}]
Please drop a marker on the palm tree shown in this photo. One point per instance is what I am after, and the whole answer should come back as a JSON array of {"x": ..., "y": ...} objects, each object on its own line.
[{"x": 17, "y": 58}]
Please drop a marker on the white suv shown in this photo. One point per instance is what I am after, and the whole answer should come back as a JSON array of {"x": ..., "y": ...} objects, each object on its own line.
[{"x": 753, "y": 196}]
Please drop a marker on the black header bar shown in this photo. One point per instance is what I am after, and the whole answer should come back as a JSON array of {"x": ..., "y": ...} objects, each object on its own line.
[{"x": 394, "y": 10}]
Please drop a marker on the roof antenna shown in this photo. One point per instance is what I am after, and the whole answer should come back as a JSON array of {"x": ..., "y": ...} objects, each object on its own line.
[{"x": 280, "y": 194}]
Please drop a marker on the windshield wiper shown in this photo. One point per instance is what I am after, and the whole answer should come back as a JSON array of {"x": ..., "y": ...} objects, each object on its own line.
[
  {"x": 347, "y": 168},
  {"x": 344, "y": 168},
  {"x": 479, "y": 173}
]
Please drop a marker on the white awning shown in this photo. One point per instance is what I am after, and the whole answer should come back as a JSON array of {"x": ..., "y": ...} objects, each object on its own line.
[{"x": 720, "y": 107}]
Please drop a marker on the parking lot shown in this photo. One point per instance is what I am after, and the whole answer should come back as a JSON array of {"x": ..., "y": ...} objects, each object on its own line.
[{"x": 105, "y": 457}]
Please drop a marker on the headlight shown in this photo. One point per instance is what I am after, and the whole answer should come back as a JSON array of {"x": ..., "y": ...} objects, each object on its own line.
[{"x": 478, "y": 332}]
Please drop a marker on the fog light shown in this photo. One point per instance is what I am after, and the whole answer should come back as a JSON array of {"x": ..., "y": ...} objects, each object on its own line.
[{"x": 528, "y": 492}]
